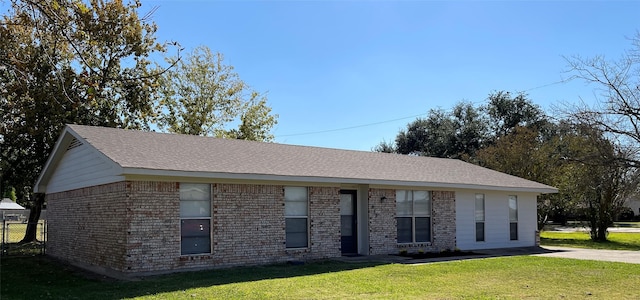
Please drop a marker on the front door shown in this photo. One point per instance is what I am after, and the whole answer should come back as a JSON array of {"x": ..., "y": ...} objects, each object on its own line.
[{"x": 348, "y": 222}]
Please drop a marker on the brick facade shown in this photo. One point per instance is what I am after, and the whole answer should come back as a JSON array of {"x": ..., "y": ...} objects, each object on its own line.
[
  {"x": 324, "y": 215},
  {"x": 382, "y": 221},
  {"x": 443, "y": 220},
  {"x": 89, "y": 225},
  {"x": 133, "y": 227},
  {"x": 153, "y": 234}
]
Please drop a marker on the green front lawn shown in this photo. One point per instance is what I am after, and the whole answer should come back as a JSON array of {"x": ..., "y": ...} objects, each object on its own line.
[
  {"x": 616, "y": 240},
  {"x": 505, "y": 278}
]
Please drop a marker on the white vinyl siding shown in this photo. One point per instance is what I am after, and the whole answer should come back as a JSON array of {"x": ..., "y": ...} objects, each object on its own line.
[
  {"x": 80, "y": 167},
  {"x": 496, "y": 224}
]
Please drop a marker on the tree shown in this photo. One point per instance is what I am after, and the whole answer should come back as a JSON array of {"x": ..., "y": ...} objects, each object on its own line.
[
  {"x": 465, "y": 129},
  {"x": 452, "y": 134},
  {"x": 518, "y": 153},
  {"x": 616, "y": 120},
  {"x": 68, "y": 62},
  {"x": 599, "y": 179},
  {"x": 385, "y": 147},
  {"x": 10, "y": 193},
  {"x": 618, "y": 84},
  {"x": 431, "y": 136},
  {"x": 506, "y": 112},
  {"x": 203, "y": 96}
]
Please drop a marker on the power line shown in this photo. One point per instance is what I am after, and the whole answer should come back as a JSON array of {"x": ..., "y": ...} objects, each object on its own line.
[
  {"x": 545, "y": 85},
  {"x": 351, "y": 127},
  {"x": 398, "y": 119}
]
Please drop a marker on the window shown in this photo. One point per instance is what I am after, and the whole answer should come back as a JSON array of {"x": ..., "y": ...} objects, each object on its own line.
[
  {"x": 413, "y": 215},
  {"x": 296, "y": 208},
  {"x": 195, "y": 218},
  {"x": 513, "y": 217},
  {"x": 479, "y": 217}
]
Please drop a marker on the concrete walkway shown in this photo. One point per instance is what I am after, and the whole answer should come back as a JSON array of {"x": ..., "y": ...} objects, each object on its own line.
[{"x": 632, "y": 257}]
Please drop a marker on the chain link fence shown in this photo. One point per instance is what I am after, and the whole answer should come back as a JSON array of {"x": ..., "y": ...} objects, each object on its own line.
[{"x": 12, "y": 234}]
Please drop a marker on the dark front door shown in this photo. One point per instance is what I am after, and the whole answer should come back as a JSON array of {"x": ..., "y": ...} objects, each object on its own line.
[{"x": 348, "y": 224}]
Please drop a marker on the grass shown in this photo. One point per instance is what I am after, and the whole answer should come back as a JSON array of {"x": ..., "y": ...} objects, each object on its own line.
[
  {"x": 616, "y": 240},
  {"x": 517, "y": 277}
]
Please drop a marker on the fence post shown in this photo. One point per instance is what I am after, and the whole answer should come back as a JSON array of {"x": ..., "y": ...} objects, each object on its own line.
[
  {"x": 43, "y": 237},
  {"x": 4, "y": 234}
]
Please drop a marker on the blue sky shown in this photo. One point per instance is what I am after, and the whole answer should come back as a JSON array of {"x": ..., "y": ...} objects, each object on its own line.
[{"x": 337, "y": 64}]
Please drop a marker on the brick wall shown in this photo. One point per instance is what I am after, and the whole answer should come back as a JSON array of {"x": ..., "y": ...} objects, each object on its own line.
[
  {"x": 324, "y": 214},
  {"x": 248, "y": 225},
  {"x": 134, "y": 226},
  {"x": 382, "y": 221},
  {"x": 89, "y": 225},
  {"x": 443, "y": 220},
  {"x": 153, "y": 231}
]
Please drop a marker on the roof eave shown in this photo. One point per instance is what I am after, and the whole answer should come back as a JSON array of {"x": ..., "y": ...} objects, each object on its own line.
[{"x": 315, "y": 179}]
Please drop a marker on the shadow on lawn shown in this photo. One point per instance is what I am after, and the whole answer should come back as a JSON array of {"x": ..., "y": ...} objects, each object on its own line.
[{"x": 42, "y": 277}]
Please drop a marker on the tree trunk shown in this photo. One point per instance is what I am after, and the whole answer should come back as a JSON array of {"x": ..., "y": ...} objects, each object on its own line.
[
  {"x": 602, "y": 233},
  {"x": 34, "y": 215}
]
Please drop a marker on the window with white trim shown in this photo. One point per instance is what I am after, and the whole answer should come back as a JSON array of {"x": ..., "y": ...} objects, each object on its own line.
[
  {"x": 513, "y": 217},
  {"x": 195, "y": 218},
  {"x": 413, "y": 216},
  {"x": 296, "y": 216},
  {"x": 479, "y": 215}
]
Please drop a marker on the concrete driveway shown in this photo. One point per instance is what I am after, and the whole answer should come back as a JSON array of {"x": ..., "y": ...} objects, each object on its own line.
[{"x": 632, "y": 257}]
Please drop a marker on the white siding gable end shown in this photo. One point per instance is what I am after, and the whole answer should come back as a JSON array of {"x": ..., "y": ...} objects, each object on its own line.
[{"x": 75, "y": 164}]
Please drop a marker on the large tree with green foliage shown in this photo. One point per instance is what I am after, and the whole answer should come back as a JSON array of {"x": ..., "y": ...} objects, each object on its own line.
[
  {"x": 597, "y": 177},
  {"x": 204, "y": 96},
  {"x": 507, "y": 112},
  {"x": 69, "y": 62},
  {"x": 463, "y": 130},
  {"x": 453, "y": 134}
]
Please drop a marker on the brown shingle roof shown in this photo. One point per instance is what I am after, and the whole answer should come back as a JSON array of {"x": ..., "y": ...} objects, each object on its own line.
[{"x": 139, "y": 150}]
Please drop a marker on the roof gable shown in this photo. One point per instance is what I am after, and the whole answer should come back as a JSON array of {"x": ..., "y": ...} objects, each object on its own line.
[
  {"x": 139, "y": 152},
  {"x": 65, "y": 169}
]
